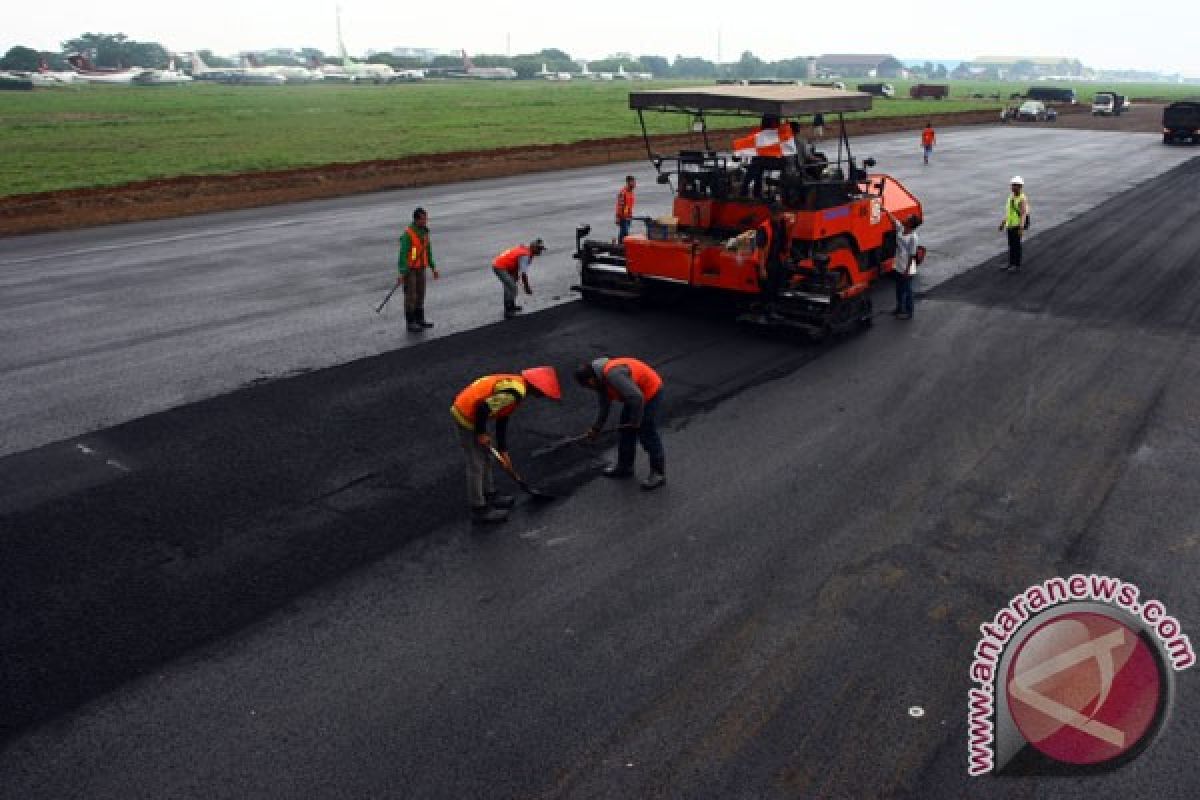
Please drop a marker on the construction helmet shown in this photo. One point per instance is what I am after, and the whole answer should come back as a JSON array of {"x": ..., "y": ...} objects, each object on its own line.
[
  {"x": 1017, "y": 181},
  {"x": 544, "y": 379}
]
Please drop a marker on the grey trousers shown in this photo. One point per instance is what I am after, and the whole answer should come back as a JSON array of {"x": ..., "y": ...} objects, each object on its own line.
[
  {"x": 479, "y": 468},
  {"x": 414, "y": 290},
  {"x": 510, "y": 287}
]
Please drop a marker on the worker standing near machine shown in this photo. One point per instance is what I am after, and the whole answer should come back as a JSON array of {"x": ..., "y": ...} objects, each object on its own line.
[
  {"x": 625, "y": 203},
  {"x": 639, "y": 389},
  {"x": 905, "y": 265},
  {"x": 494, "y": 397},
  {"x": 513, "y": 265},
  {"x": 928, "y": 139},
  {"x": 1016, "y": 220},
  {"x": 416, "y": 256}
]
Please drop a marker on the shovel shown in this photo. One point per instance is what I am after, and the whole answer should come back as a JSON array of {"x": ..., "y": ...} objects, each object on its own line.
[
  {"x": 536, "y": 494},
  {"x": 567, "y": 442},
  {"x": 386, "y": 299}
]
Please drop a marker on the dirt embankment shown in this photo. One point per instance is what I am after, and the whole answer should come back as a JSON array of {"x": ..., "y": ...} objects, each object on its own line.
[{"x": 173, "y": 197}]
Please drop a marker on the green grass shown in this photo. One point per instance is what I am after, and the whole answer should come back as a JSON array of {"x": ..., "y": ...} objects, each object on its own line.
[{"x": 103, "y": 136}]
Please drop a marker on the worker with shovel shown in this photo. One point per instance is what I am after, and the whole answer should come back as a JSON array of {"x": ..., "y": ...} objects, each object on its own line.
[
  {"x": 416, "y": 255},
  {"x": 494, "y": 397},
  {"x": 639, "y": 388}
]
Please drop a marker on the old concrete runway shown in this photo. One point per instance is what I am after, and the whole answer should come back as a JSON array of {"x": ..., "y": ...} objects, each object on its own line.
[{"x": 839, "y": 521}]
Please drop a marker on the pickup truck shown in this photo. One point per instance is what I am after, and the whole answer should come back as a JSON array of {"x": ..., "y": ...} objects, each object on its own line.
[
  {"x": 934, "y": 90},
  {"x": 1108, "y": 104}
]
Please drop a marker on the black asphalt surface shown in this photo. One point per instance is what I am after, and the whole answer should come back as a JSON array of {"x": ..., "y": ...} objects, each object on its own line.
[{"x": 839, "y": 520}]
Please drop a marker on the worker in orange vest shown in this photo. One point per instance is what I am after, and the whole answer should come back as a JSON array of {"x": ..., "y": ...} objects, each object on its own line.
[
  {"x": 494, "y": 397},
  {"x": 639, "y": 388},
  {"x": 625, "y": 203},
  {"x": 513, "y": 265},
  {"x": 416, "y": 255},
  {"x": 928, "y": 138}
]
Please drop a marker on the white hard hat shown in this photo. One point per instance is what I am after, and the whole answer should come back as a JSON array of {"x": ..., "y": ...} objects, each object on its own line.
[{"x": 1017, "y": 181}]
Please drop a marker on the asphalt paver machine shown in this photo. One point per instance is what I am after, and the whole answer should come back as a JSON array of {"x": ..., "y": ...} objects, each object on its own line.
[{"x": 831, "y": 239}]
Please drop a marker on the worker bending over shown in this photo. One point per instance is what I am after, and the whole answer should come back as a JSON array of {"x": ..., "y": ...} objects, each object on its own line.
[
  {"x": 513, "y": 265},
  {"x": 494, "y": 397},
  {"x": 639, "y": 388}
]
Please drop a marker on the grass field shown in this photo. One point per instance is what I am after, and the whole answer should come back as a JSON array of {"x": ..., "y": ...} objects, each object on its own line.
[{"x": 103, "y": 136}]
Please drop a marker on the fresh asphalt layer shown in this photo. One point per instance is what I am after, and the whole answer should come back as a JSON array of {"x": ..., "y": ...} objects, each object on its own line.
[
  {"x": 106, "y": 325},
  {"x": 274, "y": 593}
]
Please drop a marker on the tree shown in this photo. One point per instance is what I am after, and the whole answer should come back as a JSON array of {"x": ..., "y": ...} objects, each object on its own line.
[
  {"x": 553, "y": 54},
  {"x": 24, "y": 59},
  {"x": 693, "y": 68},
  {"x": 655, "y": 64},
  {"x": 117, "y": 50},
  {"x": 749, "y": 66}
]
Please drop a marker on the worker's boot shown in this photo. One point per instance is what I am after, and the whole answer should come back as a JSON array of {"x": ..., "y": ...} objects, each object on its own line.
[
  {"x": 657, "y": 476},
  {"x": 617, "y": 471},
  {"x": 511, "y": 310},
  {"x": 413, "y": 325},
  {"x": 501, "y": 501},
  {"x": 486, "y": 515},
  {"x": 421, "y": 319}
]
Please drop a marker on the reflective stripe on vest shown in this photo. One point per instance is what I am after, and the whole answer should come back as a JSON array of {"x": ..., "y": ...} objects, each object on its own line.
[
  {"x": 769, "y": 142},
  {"x": 510, "y": 259},
  {"x": 1013, "y": 217},
  {"x": 647, "y": 380},
  {"x": 418, "y": 252},
  {"x": 493, "y": 389}
]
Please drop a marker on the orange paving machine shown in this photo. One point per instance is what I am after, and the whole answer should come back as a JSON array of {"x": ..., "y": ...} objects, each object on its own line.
[{"x": 795, "y": 235}]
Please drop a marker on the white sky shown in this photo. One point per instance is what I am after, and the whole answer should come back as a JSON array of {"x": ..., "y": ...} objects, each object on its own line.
[{"x": 1101, "y": 33}]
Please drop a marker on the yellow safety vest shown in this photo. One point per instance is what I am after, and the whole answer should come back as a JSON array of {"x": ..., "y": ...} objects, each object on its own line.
[{"x": 1013, "y": 217}]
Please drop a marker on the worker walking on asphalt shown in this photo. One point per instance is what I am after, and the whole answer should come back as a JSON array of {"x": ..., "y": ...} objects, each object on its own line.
[
  {"x": 494, "y": 397},
  {"x": 639, "y": 388},
  {"x": 905, "y": 265},
  {"x": 511, "y": 265},
  {"x": 1016, "y": 220},
  {"x": 928, "y": 138},
  {"x": 416, "y": 255},
  {"x": 625, "y": 203}
]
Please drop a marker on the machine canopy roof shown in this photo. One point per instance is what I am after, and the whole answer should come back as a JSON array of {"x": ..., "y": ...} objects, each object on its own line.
[{"x": 781, "y": 101}]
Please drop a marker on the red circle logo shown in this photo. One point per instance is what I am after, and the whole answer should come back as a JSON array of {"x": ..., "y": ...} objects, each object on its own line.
[{"x": 1084, "y": 688}]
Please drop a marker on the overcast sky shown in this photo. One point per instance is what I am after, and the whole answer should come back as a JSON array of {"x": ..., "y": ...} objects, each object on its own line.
[{"x": 1109, "y": 33}]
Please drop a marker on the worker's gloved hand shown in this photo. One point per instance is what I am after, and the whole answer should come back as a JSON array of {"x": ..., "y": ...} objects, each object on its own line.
[
  {"x": 506, "y": 460},
  {"x": 592, "y": 434},
  {"x": 483, "y": 440},
  {"x": 435, "y": 274}
]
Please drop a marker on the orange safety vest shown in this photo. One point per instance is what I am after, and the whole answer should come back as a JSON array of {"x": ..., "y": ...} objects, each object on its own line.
[
  {"x": 927, "y": 137},
  {"x": 509, "y": 260},
  {"x": 625, "y": 201},
  {"x": 768, "y": 142},
  {"x": 492, "y": 389},
  {"x": 418, "y": 252},
  {"x": 646, "y": 378}
]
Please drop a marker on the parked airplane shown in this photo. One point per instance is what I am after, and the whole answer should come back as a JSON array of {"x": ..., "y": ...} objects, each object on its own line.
[
  {"x": 359, "y": 72},
  {"x": 48, "y": 77},
  {"x": 90, "y": 73},
  {"x": 632, "y": 76},
  {"x": 547, "y": 75},
  {"x": 162, "y": 77},
  {"x": 483, "y": 73},
  {"x": 594, "y": 76},
  {"x": 293, "y": 73},
  {"x": 243, "y": 75}
]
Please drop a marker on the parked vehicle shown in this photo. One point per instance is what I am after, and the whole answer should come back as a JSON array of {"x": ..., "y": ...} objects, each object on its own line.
[
  {"x": 1181, "y": 122},
  {"x": 1109, "y": 104},
  {"x": 839, "y": 85},
  {"x": 1050, "y": 94},
  {"x": 878, "y": 89},
  {"x": 935, "y": 90},
  {"x": 837, "y": 241},
  {"x": 1033, "y": 111}
]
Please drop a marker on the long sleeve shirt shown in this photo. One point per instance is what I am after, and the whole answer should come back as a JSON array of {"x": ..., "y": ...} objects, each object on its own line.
[
  {"x": 620, "y": 380},
  {"x": 906, "y": 251},
  {"x": 407, "y": 247},
  {"x": 488, "y": 406}
]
